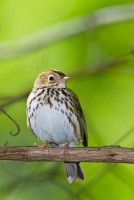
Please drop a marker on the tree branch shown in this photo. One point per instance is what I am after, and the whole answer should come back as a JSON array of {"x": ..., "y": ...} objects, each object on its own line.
[
  {"x": 110, "y": 154},
  {"x": 14, "y": 99}
]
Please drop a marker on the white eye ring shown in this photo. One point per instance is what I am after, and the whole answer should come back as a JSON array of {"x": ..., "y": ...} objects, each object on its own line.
[{"x": 50, "y": 77}]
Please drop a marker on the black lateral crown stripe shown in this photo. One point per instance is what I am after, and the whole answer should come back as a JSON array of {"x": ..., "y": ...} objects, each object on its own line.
[{"x": 60, "y": 73}]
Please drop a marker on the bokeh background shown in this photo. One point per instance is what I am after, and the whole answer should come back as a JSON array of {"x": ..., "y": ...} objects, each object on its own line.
[{"x": 93, "y": 42}]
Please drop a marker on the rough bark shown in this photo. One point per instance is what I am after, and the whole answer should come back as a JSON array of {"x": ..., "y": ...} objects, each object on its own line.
[{"x": 110, "y": 154}]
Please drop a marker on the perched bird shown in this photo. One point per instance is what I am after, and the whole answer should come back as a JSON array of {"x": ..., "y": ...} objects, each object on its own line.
[{"x": 54, "y": 114}]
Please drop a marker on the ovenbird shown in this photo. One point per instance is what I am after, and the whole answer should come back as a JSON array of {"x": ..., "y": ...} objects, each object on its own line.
[{"x": 54, "y": 114}]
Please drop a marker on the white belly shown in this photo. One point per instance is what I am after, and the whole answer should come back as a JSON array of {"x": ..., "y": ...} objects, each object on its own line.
[{"x": 51, "y": 123}]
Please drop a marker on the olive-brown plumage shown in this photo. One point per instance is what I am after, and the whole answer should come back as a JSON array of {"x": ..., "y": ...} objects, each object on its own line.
[{"x": 54, "y": 114}]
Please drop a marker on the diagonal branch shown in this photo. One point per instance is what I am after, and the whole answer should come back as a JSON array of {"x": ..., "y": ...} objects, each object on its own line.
[
  {"x": 14, "y": 99},
  {"x": 110, "y": 154},
  {"x": 66, "y": 29}
]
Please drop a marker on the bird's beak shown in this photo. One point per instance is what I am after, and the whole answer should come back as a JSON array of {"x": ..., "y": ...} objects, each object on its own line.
[{"x": 66, "y": 78}]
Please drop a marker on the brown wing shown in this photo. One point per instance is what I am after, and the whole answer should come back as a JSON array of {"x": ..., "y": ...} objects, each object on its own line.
[{"x": 81, "y": 118}]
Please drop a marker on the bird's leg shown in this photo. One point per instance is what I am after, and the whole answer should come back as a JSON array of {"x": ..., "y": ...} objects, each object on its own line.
[
  {"x": 66, "y": 152},
  {"x": 44, "y": 146}
]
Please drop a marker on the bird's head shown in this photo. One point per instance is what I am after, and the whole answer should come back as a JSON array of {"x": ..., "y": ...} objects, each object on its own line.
[{"x": 51, "y": 78}]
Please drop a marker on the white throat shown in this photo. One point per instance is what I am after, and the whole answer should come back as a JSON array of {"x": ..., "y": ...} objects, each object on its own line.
[{"x": 60, "y": 85}]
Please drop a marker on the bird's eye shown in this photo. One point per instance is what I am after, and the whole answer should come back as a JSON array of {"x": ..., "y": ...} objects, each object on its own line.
[{"x": 51, "y": 78}]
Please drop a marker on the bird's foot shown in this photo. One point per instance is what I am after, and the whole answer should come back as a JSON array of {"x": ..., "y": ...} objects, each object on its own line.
[
  {"x": 66, "y": 149},
  {"x": 44, "y": 146},
  {"x": 36, "y": 145}
]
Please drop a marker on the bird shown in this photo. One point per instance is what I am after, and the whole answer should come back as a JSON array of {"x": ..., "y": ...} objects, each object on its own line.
[{"x": 54, "y": 115}]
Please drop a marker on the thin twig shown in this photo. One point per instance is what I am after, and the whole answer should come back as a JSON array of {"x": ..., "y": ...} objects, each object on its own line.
[
  {"x": 110, "y": 154},
  {"x": 13, "y": 120}
]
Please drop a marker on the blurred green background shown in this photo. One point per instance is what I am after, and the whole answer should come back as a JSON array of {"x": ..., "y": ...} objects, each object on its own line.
[{"x": 93, "y": 42}]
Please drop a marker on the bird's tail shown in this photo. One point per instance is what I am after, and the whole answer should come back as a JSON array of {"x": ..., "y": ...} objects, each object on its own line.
[{"x": 74, "y": 171}]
